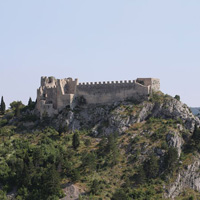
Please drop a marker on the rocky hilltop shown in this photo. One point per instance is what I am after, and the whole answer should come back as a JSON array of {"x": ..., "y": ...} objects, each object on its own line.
[{"x": 127, "y": 150}]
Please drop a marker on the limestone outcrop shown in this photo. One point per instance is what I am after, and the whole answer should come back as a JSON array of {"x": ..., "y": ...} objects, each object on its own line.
[
  {"x": 104, "y": 120},
  {"x": 187, "y": 178},
  {"x": 72, "y": 192}
]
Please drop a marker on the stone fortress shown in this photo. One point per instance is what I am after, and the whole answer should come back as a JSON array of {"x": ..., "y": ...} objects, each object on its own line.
[{"x": 55, "y": 94}]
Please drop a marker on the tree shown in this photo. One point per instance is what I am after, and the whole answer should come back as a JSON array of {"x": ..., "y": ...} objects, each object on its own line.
[
  {"x": 62, "y": 129},
  {"x": 95, "y": 187},
  {"x": 75, "y": 141},
  {"x": 89, "y": 161},
  {"x": 151, "y": 167},
  {"x": 3, "y": 195},
  {"x": 120, "y": 195},
  {"x": 140, "y": 176},
  {"x": 177, "y": 97},
  {"x": 3, "y": 106},
  {"x": 112, "y": 150},
  {"x": 111, "y": 145},
  {"x": 16, "y": 106},
  {"x": 30, "y": 102},
  {"x": 22, "y": 193},
  {"x": 51, "y": 185},
  {"x": 75, "y": 175},
  {"x": 102, "y": 146},
  {"x": 171, "y": 159},
  {"x": 17, "y": 111}
]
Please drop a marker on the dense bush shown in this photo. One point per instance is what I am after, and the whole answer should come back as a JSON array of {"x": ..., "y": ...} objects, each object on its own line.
[
  {"x": 177, "y": 97},
  {"x": 34, "y": 169},
  {"x": 171, "y": 160}
]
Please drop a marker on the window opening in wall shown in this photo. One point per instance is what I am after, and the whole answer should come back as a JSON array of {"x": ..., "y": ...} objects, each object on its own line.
[{"x": 141, "y": 82}]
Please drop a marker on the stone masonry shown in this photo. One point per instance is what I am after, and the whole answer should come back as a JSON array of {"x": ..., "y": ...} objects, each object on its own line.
[{"x": 55, "y": 94}]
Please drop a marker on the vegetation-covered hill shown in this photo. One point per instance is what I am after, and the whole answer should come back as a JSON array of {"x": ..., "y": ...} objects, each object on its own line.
[{"x": 128, "y": 150}]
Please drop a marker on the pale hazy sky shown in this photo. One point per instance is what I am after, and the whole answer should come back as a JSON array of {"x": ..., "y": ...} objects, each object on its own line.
[{"x": 100, "y": 40}]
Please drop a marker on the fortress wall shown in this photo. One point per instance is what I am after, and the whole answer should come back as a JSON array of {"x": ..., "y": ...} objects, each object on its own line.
[
  {"x": 48, "y": 108},
  {"x": 65, "y": 92},
  {"x": 49, "y": 95},
  {"x": 68, "y": 85},
  {"x": 101, "y": 93},
  {"x": 49, "y": 82},
  {"x": 64, "y": 100},
  {"x": 55, "y": 94},
  {"x": 153, "y": 82}
]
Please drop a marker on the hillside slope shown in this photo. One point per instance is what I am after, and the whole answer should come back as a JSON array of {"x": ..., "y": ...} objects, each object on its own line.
[{"x": 128, "y": 150}]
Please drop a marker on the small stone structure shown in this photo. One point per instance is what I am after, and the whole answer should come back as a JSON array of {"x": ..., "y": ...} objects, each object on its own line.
[{"x": 55, "y": 94}]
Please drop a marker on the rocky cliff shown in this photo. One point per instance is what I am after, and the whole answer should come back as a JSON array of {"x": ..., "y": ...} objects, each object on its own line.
[{"x": 104, "y": 120}]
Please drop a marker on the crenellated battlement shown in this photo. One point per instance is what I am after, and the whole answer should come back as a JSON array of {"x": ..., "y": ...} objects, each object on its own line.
[
  {"x": 106, "y": 82},
  {"x": 55, "y": 94}
]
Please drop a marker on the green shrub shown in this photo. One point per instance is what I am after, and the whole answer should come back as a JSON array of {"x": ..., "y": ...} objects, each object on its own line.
[
  {"x": 164, "y": 145},
  {"x": 75, "y": 141},
  {"x": 75, "y": 175},
  {"x": 151, "y": 167},
  {"x": 171, "y": 160},
  {"x": 87, "y": 142},
  {"x": 120, "y": 195},
  {"x": 3, "y": 195},
  {"x": 3, "y": 122},
  {"x": 95, "y": 187},
  {"x": 177, "y": 97}
]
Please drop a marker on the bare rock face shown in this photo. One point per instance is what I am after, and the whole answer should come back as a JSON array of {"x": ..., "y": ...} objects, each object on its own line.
[
  {"x": 174, "y": 139},
  {"x": 175, "y": 109},
  {"x": 108, "y": 119},
  {"x": 72, "y": 192},
  {"x": 189, "y": 177},
  {"x": 147, "y": 108}
]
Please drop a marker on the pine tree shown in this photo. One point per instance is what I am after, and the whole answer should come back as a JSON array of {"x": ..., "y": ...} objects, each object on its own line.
[
  {"x": 30, "y": 102},
  {"x": 75, "y": 175},
  {"x": 151, "y": 167},
  {"x": 140, "y": 176},
  {"x": 177, "y": 97},
  {"x": 89, "y": 161},
  {"x": 51, "y": 184},
  {"x": 3, "y": 106},
  {"x": 95, "y": 187},
  {"x": 17, "y": 111},
  {"x": 112, "y": 150},
  {"x": 16, "y": 106},
  {"x": 102, "y": 147},
  {"x": 111, "y": 145},
  {"x": 120, "y": 195},
  {"x": 171, "y": 159},
  {"x": 76, "y": 141}
]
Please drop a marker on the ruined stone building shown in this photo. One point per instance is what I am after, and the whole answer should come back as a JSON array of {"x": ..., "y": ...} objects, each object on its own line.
[{"x": 55, "y": 94}]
